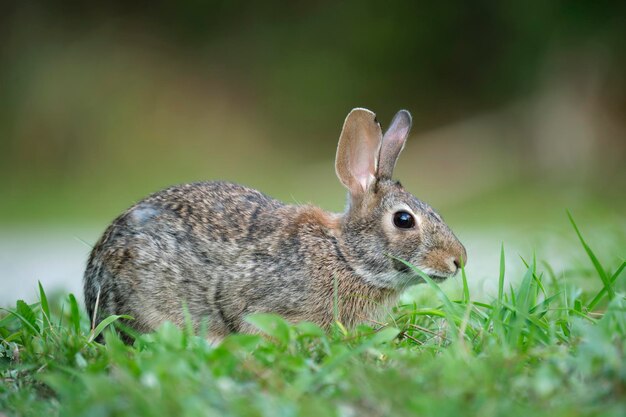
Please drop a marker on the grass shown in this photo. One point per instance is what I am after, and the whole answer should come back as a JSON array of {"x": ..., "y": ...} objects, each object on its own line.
[{"x": 543, "y": 348}]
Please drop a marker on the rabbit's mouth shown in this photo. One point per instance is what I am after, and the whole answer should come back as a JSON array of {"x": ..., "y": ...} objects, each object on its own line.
[{"x": 438, "y": 277}]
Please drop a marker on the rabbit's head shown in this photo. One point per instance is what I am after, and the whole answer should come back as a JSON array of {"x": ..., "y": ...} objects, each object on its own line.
[{"x": 383, "y": 221}]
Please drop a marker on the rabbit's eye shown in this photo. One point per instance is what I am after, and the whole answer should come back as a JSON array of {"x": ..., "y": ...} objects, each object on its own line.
[{"x": 403, "y": 220}]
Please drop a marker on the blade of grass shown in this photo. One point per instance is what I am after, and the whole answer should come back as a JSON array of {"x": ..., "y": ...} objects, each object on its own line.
[
  {"x": 188, "y": 328},
  {"x": 501, "y": 277},
  {"x": 466, "y": 293},
  {"x": 61, "y": 315},
  {"x": 127, "y": 330},
  {"x": 26, "y": 311},
  {"x": 483, "y": 305},
  {"x": 45, "y": 309},
  {"x": 594, "y": 260},
  {"x": 524, "y": 298},
  {"x": 519, "y": 306},
  {"x": 545, "y": 303},
  {"x": 519, "y": 329},
  {"x": 103, "y": 325},
  {"x": 537, "y": 278},
  {"x": 602, "y": 292},
  {"x": 74, "y": 313}
]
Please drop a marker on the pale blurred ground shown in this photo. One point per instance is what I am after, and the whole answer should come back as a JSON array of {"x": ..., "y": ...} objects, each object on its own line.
[{"x": 57, "y": 257}]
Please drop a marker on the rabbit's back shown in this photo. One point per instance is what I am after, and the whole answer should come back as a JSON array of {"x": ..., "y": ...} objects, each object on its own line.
[{"x": 218, "y": 247}]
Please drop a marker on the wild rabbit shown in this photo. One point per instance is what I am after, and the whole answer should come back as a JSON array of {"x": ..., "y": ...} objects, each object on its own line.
[{"x": 227, "y": 251}]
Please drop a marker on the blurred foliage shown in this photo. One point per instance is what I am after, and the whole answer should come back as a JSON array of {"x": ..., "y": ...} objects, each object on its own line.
[
  {"x": 103, "y": 102},
  {"x": 443, "y": 59}
]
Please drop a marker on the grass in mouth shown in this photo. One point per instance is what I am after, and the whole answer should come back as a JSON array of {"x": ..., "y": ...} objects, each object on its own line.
[{"x": 543, "y": 348}]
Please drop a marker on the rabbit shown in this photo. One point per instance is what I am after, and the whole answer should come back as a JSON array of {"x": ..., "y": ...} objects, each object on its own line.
[{"x": 226, "y": 251}]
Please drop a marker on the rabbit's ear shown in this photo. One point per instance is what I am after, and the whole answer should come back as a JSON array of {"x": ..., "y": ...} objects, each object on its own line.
[
  {"x": 393, "y": 143},
  {"x": 358, "y": 149}
]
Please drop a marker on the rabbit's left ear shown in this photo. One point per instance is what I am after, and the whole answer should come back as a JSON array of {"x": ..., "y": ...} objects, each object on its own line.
[
  {"x": 393, "y": 143},
  {"x": 358, "y": 151}
]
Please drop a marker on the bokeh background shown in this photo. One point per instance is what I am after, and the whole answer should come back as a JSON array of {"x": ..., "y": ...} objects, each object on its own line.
[{"x": 519, "y": 114}]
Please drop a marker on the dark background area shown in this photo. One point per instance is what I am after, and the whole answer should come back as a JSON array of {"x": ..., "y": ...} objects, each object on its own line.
[{"x": 103, "y": 102}]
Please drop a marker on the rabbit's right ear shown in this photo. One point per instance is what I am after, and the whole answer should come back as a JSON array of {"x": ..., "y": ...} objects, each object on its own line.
[
  {"x": 393, "y": 143},
  {"x": 358, "y": 149}
]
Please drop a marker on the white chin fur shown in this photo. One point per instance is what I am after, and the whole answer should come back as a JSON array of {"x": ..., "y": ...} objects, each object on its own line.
[
  {"x": 433, "y": 272},
  {"x": 397, "y": 279},
  {"x": 392, "y": 279}
]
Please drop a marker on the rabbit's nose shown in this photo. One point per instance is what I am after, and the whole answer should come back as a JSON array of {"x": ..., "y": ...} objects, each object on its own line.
[
  {"x": 457, "y": 263},
  {"x": 454, "y": 264},
  {"x": 459, "y": 260}
]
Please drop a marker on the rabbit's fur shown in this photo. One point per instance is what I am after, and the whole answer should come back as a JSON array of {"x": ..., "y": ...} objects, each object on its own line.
[{"x": 226, "y": 251}]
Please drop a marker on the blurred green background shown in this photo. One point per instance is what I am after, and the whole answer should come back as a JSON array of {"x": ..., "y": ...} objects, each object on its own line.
[{"x": 519, "y": 113}]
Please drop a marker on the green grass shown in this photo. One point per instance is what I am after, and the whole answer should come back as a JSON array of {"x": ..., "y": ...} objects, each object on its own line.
[{"x": 543, "y": 348}]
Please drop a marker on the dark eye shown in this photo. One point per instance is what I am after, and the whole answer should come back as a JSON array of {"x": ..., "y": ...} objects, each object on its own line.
[{"x": 403, "y": 220}]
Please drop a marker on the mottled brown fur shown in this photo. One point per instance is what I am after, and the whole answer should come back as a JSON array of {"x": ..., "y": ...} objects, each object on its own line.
[{"x": 226, "y": 251}]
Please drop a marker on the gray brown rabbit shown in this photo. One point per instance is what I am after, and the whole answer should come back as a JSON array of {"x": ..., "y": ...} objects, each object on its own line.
[{"x": 226, "y": 251}]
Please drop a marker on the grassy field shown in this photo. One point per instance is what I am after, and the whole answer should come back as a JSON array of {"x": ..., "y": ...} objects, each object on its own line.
[{"x": 547, "y": 347}]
